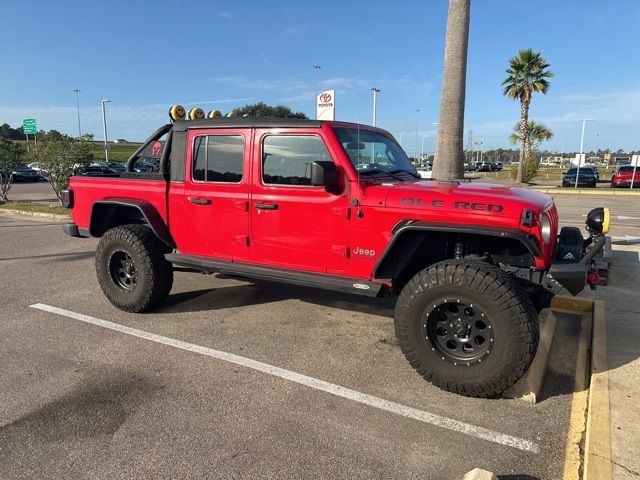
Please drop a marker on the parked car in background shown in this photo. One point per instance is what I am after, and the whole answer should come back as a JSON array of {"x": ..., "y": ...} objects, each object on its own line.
[
  {"x": 100, "y": 169},
  {"x": 586, "y": 178},
  {"x": 483, "y": 167},
  {"x": 622, "y": 177},
  {"x": 499, "y": 165},
  {"x": 147, "y": 165},
  {"x": 38, "y": 168},
  {"x": 25, "y": 174},
  {"x": 120, "y": 140},
  {"x": 116, "y": 166}
]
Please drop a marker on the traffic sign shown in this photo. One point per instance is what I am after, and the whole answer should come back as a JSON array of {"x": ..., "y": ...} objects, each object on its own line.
[{"x": 29, "y": 126}]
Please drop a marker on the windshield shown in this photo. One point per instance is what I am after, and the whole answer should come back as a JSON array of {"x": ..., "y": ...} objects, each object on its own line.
[
  {"x": 372, "y": 152},
  {"x": 585, "y": 170}
]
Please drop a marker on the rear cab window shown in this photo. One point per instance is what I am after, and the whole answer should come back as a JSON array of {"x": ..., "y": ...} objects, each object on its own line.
[{"x": 218, "y": 158}]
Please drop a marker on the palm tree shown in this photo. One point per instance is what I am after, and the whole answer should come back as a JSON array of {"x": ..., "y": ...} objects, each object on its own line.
[
  {"x": 537, "y": 133},
  {"x": 449, "y": 157},
  {"x": 527, "y": 73}
]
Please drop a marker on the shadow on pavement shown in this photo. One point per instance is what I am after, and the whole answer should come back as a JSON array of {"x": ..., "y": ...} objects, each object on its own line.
[
  {"x": 259, "y": 293},
  {"x": 59, "y": 257}
]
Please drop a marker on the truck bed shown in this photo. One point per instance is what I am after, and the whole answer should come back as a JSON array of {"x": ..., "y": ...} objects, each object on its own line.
[{"x": 88, "y": 190}]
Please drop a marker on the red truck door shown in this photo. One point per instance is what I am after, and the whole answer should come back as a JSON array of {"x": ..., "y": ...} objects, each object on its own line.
[
  {"x": 293, "y": 224},
  {"x": 210, "y": 216}
]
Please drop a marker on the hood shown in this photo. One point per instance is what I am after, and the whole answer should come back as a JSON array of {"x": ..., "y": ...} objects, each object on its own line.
[{"x": 457, "y": 199}]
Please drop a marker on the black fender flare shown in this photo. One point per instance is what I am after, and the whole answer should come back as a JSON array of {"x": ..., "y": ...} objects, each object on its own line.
[
  {"x": 530, "y": 242},
  {"x": 103, "y": 210}
]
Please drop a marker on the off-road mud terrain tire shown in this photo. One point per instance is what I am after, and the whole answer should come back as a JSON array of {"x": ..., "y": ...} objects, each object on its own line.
[
  {"x": 510, "y": 329},
  {"x": 137, "y": 246}
]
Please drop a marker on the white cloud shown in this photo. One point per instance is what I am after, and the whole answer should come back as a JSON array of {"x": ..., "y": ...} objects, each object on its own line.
[{"x": 226, "y": 15}]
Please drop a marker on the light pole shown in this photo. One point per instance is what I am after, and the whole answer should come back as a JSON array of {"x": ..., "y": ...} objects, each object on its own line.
[
  {"x": 78, "y": 110},
  {"x": 422, "y": 149},
  {"x": 400, "y": 138},
  {"x": 584, "y": 121},
  {"x": 104, "y": 126},
  {"x": 316, "y": 67},
  {"x": 479, "y": 157},
  {"x": 375, "y": 91},
  {"x": 435, "y": 124},
  {"x": 415, "y": 148}
]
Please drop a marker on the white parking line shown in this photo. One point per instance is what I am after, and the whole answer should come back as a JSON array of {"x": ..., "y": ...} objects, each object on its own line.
[{"x": 337, "y": 390}]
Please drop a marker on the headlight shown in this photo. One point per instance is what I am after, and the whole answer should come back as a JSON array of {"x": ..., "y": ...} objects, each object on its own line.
[{"x": 545, "y": 227}]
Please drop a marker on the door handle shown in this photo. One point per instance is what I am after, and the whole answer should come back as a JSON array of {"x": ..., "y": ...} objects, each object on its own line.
[
  {"x": 199, "y": 200},
  {"x": 267, "y": 206}
]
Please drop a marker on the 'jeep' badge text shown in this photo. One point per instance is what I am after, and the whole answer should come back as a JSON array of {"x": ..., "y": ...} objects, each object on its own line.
[{"x": 364, "y": 252}]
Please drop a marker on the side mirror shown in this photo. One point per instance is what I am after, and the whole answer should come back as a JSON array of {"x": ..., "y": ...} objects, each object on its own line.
[{"x": 324, "y": 174}]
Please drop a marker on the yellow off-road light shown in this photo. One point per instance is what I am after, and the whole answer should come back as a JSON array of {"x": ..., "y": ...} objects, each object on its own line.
[
  {"x": 177, "y": 112},
  {"x": 607, "y": 220},
  {"x": 232, "y": 114},
  {"x": 214, "y": 114},
  {"x": 598, "y": 220},
  {"x": 196, "y": 113}
]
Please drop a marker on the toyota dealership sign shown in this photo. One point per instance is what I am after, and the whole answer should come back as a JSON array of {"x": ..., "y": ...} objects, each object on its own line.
[{"x": 326, "y": 105}]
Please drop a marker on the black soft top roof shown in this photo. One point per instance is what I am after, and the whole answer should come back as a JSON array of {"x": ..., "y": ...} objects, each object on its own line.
[
  {"x": 247, "y": 122},
  {"x": 259, "y": 122}
]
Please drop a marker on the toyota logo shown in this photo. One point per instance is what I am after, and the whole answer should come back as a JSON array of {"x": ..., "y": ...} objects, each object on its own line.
[{"x": 325, "y": 97}]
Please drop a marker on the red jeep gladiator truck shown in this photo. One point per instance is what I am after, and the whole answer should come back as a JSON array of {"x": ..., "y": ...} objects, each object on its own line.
[{"x": 340, "y": 206}]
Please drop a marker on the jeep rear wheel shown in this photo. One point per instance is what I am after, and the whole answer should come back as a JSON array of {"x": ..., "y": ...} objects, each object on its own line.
[
  {"x": 467, "y": 327},
  {"x": 131, "y": 268}
]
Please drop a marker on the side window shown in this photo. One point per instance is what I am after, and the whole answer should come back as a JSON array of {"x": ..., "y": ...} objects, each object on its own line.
[
  {"x": 218, "y": 158},
  {"x": 286, "y": 159}
]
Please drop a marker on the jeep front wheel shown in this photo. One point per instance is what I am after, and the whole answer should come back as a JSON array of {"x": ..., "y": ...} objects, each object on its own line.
[
  {"x": 131, "y": 268},
  {"x": 467, "y": 327}
]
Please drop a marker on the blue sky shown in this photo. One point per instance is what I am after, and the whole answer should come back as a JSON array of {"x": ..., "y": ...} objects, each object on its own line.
[{"x": 145, "y": 56}]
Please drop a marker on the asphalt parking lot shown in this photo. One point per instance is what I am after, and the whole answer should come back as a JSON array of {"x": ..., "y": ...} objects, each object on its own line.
[{"x": 236, "y": 379}]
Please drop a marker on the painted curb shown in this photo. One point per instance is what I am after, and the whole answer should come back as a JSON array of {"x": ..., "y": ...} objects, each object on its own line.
[
  {"x": 24, "y": 213},
  {"x": 577, "y": 417},
  {"x": 597, "y": 447}
]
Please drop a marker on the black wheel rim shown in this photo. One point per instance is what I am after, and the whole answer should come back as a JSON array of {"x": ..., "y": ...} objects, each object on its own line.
[
  {"x": 123, "y": 270},
  {"x": 460, "y": 333}
]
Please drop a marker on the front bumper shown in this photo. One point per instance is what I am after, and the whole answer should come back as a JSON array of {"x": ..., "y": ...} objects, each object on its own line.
[{"x": 573, "y": 276}]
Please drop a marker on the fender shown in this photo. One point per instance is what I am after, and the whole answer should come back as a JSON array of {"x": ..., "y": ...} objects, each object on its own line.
[
  {"x": 107, "y": 213},
  {"x": 529, "y": 241}
]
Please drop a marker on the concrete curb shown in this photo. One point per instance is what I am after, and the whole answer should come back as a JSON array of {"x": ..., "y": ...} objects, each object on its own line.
[
  {"x": 577, "y": 417},
  {"x": 528, "y": 387},
  {"x": 25, "y": 213},
  {"x": 597, "y": 448},
  {"x": 584, "y": 191}
]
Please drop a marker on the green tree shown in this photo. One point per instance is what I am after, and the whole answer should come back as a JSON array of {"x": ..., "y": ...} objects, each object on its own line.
[
  {"x": 11, "y": 155},
  {"x": 527, "y": 74},
  {"x": 449, "y": 157},
  {"x": 537, "y": 133},
  {"x": 261, "y": 109},
  {"x": 60, "y": 157},
  {"x": 11, "y": 133}
]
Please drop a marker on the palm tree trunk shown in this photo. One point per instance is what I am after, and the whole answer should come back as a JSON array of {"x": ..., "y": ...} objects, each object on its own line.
[
  {"x": 449, "y": 157},
  {"x": 524, "y": 119}
]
